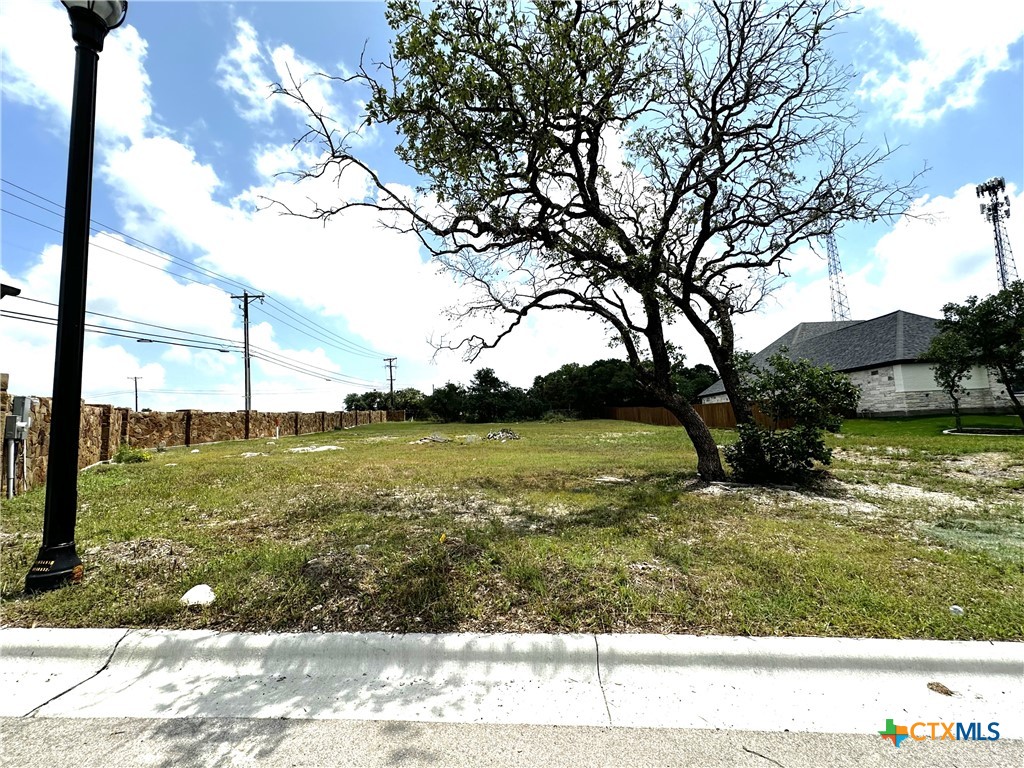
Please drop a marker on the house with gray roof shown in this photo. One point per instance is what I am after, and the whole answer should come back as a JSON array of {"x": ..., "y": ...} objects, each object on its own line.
[{"x": 883, "y": 357}]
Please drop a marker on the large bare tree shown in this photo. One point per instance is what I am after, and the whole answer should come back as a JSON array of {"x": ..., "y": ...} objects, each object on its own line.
[{"x": 638, "y": 161}]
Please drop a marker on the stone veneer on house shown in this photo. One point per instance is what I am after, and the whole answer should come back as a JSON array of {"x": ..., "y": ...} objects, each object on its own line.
[{"x": 909, "y": 389}]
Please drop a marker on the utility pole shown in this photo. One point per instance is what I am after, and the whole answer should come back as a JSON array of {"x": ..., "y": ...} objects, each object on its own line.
[
  {"x": 136, "y": 380},
  {"x": 246, "y": 297},
  {"x": 390, "y": 362}
]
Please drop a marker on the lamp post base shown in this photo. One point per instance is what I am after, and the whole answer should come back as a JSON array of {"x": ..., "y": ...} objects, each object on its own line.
[{"x": 54, "y": 567}]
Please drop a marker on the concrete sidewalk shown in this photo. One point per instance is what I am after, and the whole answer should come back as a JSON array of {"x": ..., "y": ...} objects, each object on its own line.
[{"x": 799, "y": 685}]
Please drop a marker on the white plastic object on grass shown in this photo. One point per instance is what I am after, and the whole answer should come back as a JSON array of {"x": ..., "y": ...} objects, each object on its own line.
[{"x": 200, "y": 594}]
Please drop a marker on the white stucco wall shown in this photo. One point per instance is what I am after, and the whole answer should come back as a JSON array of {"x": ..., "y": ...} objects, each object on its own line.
[
  {"x": 909, "y": 388},
  {"x": 919, "y": 377}
]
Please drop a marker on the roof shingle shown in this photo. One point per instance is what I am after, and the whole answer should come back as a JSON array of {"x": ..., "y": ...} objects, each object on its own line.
[{"x": 852, "y": 345}]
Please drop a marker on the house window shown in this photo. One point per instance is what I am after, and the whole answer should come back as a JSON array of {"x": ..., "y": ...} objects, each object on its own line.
[{"x": 874, "y": 373}]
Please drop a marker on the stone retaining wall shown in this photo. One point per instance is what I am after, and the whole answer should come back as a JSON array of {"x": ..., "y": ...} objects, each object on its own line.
[
  {"x": 150, "y": 428},
  {"x": 105, "y": 428}
]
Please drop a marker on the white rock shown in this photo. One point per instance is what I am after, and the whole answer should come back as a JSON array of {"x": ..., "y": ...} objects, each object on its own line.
[
  {"x": 314, "y": 449},
  {"x": 200, "y": 594},
  {"x": 195, "y": 450},
  {"x": 956, "y": 610}
]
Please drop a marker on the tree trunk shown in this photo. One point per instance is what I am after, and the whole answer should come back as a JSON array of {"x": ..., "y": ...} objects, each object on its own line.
[
  {"x": 722, "y": 351},
  {"x": 709, "y": 462},
  {"x": 733, "y": 388},
  {"x": 1007, "y": 382},
  {"x": 956, "y": 413}
]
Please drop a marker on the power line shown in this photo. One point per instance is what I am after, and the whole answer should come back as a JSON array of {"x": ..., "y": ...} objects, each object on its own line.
[
  {"x": 350, "y": 346},
  {"x": 347, "y": 350},
  {"x": 319, "y": 337},
  {"x": 314, "y": 374},
  {"x": 117, "y": 253},
  {"x": 104, "y": 229},
  {"x": 305, "y": 320},
  {"x": 103, "y": 330},
  {"x": 298, "y": 366},
  {"x": 348, "y": 379},
  {"x": 316, "y": 369},
  {"x": 137, "y": 322}
]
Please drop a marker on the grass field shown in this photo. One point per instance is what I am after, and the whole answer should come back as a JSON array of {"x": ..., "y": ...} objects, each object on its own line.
[{"x": 578, "y": 526}]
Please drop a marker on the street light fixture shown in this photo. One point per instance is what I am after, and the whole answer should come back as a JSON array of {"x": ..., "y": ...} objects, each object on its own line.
[{"x": 57, "y": 562}]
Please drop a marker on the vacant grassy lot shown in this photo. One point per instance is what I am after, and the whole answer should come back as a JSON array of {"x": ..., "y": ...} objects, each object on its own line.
[{"x": 579, "y": 526}]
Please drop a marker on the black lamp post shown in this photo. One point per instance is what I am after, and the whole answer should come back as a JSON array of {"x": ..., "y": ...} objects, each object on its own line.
[{"x": 57, "y": 562}]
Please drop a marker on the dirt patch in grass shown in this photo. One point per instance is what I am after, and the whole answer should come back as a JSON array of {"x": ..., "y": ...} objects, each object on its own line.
[
  {"x": 835, "y": 496},
  {"x": 868, "y": 459},
  {"x": 162, "y": 554},
  {"x": 463, "y": 506},
  {"x": 428, "y": 502},
  {"x": 983, "y": 468},
  {"x": 934, "y": 500}
]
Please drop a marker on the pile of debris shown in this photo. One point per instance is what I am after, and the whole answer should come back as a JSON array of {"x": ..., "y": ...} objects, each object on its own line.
[
  {"x": 503, "y": 435},
  {"x": 434, "y": 438}
]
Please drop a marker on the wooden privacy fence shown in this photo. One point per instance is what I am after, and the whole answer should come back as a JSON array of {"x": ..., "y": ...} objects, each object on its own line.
[{"x": 715, "y": 415}]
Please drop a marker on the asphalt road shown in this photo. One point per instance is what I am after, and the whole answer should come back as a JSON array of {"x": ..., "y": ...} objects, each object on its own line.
[{"x": 182, "y": 743}]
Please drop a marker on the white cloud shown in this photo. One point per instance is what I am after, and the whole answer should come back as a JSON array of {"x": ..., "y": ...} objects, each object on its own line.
[
  {"x": 242, "y": 72},
  {"x": 163, "y": 189},
  {"x": 249, "y": 69},
  {"x": 38, "y": 68},
  {"x": 957, "y": 48},
  {"x": 355, "y": 276},
  {"x": 270, "y": 159},
  {"x": 350, "y": 270}
]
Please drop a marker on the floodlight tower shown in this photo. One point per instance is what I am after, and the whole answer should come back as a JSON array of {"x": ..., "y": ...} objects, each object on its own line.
[
  {"x": 997, "y": 211},
  {"x": 840, "y": 304}
]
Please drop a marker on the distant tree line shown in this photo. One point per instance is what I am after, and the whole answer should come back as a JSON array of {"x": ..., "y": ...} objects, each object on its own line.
[{"x": 572, "y": 391}]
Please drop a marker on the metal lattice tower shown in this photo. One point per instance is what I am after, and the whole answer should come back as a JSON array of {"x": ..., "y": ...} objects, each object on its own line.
[
  {"x": 997, "y": 211},
  {"x": 840, "y": 304}
]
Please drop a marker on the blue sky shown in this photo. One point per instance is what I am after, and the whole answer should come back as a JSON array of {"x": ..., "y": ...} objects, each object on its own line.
[{"x": 189, "y": 141}]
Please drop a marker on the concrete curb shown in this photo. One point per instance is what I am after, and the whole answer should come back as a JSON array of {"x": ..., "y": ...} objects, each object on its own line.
[
  {"x": 827, "y": 685},
  {"x": 807, "y": 684},
  {"x": 807, "y": 653}
]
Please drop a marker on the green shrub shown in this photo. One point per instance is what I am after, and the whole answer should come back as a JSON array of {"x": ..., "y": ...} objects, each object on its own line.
[
  {"x": 559, "y": 416},
  {"x": 763, "y": 455},
  {"x": 815, "y": 398},
  {"x": 128, "y": 455}
]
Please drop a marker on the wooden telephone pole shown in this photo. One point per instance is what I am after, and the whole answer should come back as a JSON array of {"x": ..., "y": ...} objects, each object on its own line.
[{"x": 246, "y": 297}]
